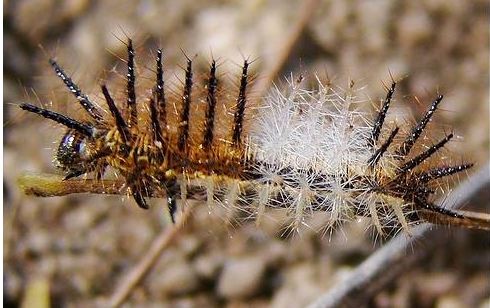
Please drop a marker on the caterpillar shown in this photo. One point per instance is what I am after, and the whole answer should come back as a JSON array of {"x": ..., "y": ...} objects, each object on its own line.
[{"x": 301, "y": 150}]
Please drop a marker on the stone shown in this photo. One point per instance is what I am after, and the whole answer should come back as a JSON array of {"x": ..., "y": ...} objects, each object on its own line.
[{"x": 241, "y": 277}]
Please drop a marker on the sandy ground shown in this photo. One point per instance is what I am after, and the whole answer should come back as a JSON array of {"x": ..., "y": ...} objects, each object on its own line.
[{"x": 79, "y": 247}]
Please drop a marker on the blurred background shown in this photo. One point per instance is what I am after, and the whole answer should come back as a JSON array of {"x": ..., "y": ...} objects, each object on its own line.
[{"x": 79, "y": 247}]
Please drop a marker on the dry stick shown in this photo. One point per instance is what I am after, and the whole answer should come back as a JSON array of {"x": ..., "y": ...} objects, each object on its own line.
[
  {"x": 399, "y": 254},
  {"x": 265, "y": 81},
  {"x": 164, "y": 239},
  {"x": 49, "y": 185}
]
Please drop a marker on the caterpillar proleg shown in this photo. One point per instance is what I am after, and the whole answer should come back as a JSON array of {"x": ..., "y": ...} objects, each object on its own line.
[{"x": 303, "y": 150}]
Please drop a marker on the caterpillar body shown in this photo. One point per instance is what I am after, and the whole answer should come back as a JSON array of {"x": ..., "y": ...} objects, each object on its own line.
[{"x": 302, "y": 150}]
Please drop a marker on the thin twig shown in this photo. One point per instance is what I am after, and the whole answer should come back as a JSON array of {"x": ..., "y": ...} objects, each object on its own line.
[
  {"x": 162, "y": 241},
  {"x": 50, "y": 185},
  {"x": 399, "y": 254}
]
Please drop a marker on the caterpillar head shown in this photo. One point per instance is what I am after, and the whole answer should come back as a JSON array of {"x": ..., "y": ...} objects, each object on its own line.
[
  {"x": 72, "y": 152},
  {"x": 78, "y": 153}
]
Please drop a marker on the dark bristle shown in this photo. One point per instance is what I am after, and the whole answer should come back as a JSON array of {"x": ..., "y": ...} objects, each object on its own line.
[
  {"x": 240, "y": 106},
  {"x": 160, "y": 92},
  {"x": 75, "y": 90},
  {"x": 420, "y": 158},
  {"x": 440, "y": 172},
  {"x": 122, "y": 127},
  {"x": 418, "y": 129},
  {"x": 211, "y": 106},
  {"x": 441, "y": 210},
  {"x": 155, "y": 123},
  {"x": 85, "y": 129},
  {"x": 131, "y": 93},
  {"x": 186, "y": 102},
  {"x": 378, "y": 124},
  {"x": 440, "y": 215},
  {"x": 380, "y": 152}
]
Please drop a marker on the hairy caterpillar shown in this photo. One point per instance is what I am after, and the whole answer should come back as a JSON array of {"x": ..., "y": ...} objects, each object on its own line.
[{"x": 307, "y": 150}]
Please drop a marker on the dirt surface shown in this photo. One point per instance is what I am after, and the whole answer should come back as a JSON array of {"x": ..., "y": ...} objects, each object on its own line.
[{"x": 79, "y": 247}]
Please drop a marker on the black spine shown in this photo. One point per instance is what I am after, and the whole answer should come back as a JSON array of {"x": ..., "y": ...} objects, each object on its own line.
[
  {"x": 186, "y": 101},
  {"x": 122, "y": 127},
  {"x": 380, "y": 152},
  {"x": 160, "y": 92},
  {"x": 420, "y": 158},
  {"x": 75, "y": 90},
  {"x": 85, "y": 129},
  {"x": 418, "y": 129},
  {"x": 240, "y": 106},
  {"x": 378, "y": 124},
  {"x": 157, "y": 132},
  {"x": 131, "y": 93},
  {"x": 211, "y": 106},
  {"x": 440, "y": 172},
  {"x": 441, "y": 210}
]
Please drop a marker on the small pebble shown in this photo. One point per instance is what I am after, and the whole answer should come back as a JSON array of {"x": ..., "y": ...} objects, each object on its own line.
[
  {"x": 241, "y": 277},
  {"x": 177, "y": 278}
]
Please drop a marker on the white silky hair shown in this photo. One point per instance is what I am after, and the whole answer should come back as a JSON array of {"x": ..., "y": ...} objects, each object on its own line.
[
  {"x": 321, "y": 129},
  {"x": 299, "y": 135}
]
